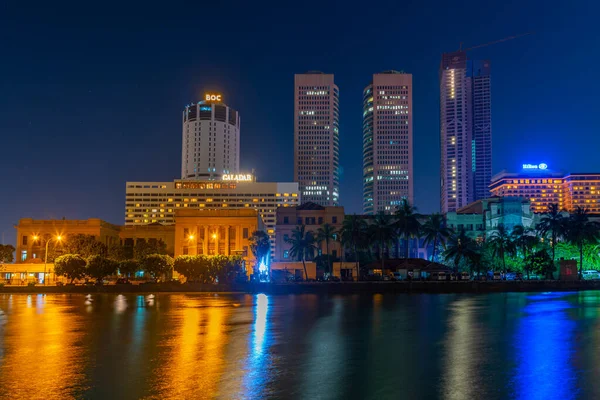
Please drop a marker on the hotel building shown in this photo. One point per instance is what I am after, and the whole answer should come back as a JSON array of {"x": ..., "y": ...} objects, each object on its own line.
[
  {"x": 157, "y": 202},
  {"x": 316, "y": 138},
  {"x": 542, "y": 188},
  {"x": 211, "y": 140},
  {"x": 387, "y": 142},
  {"x": 465, "y": 130}
]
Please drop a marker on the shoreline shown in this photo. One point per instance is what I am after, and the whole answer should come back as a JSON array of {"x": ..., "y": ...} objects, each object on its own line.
[{"x": 350, "y": 288}]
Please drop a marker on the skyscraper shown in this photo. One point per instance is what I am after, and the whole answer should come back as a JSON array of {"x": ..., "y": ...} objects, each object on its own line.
[
  {"x": 387, "y": 142},
  {"x": 465, "y": 130},
  {"x": 211, "y": 139},
  {"x": 316, "y": 138}
]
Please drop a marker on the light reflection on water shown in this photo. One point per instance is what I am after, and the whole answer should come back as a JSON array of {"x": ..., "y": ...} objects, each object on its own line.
[{"x": 525, "y": 346}]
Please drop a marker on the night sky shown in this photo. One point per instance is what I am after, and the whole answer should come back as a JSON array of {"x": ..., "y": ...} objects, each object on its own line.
[{"x": 91, "y": 94}]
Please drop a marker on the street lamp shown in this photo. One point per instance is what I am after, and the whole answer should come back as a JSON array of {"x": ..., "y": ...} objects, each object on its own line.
[{"x": 58, "y": 239}]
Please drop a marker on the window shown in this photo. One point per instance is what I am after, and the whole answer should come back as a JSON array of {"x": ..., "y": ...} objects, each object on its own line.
[
  {"x": 334, "y": 253},
  {"x": 286, "y": 237},
  {"x": 286, "y": 220},
  {"x": 334, "y": 220},
  {"x": 245, "y": 233},
  {"x": 320, "y": 220},
  {"x": 286, "y": 254},
  {"x": 299, "y": 221},
  {"x": 24, "y": 254},
  {"x": 185, "y": 250},
  {"x": 24, "y": 241}
]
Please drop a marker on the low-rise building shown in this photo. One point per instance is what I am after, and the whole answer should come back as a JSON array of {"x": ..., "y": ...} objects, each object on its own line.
[
  {"x": 482, "y": 217},
  {"x": 312, "y": 216}
]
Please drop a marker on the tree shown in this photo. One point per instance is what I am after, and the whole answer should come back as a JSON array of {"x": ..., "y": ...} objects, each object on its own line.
[
  {"x": 129, "y": 267},
  {"x": 99, "y": 267},
  {"x": 502, "y": 244},
  {"x": 408, "y": 223},
  {"x": 524, "y": 240},
  {"x": 260, "y": 245},
  {"x": 382, "y": 231},
  {"x": 303, "y": 246},
  {"x": 581, "y": 231},
  {"x": 84, "y": 245},
  {"x": 117, "y": 252},
  {"x": 226, "y": 269},
  {"x": 70, "y": 265},
  {"x": 435, "y": 230},
  {"x": 552, "y": 224},
  {"x": 6, "y": 253},
  {"x": 540, "y": 262},
  {"x": 194, "y": 268},
  {"x": 326, "y": 233},
  {"x": 353, "y": 235},
  {"x": 145, "y": 248},
  {"x": 157, "y": 265},
  {"x": 459, "y": 248}
]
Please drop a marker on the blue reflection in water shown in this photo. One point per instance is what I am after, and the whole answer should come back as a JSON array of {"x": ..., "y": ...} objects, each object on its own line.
[
  {"x": 544, "y": 346},
  {"x": 258, "y": 359}
]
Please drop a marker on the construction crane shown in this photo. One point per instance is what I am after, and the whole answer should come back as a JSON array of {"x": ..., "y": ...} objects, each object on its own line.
[{"x": 495, "y": 41}]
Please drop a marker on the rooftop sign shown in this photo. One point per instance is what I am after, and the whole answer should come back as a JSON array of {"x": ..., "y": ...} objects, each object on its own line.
[
  {"x": 541, "y": 166},
  {"x": 212, "y": 97},
  {"x": 238, "y": 177}
]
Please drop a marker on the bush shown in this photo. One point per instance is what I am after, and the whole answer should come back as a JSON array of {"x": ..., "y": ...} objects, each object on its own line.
[
  {"x": 158, "y": 265},
  {"x": 70, "y": 265}
]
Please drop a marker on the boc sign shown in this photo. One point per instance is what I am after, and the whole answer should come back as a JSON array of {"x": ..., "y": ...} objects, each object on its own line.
[
  {"x": 212, "y": 97},
  {"x": 541, "y": 166}
]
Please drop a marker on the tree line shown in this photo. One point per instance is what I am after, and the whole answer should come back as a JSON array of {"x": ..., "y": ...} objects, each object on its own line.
[{"x": 531, "y": 250}]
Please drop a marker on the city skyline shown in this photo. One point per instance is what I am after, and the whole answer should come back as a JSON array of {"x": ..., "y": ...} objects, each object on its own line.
[{"x": 61, "y": 165}]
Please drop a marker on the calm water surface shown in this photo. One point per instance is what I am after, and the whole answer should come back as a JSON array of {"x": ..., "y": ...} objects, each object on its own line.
[{"x": 104, "y": 346}]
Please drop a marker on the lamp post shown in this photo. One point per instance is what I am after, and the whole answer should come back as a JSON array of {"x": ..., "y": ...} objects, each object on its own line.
[
  {"x": 191, "y": 240},
  {"x": 58, "y": 239},
  {"x": 214, "y": 236}
]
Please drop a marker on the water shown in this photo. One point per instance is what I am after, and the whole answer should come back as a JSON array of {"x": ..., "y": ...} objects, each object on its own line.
[{"x": 194, "y": 346}]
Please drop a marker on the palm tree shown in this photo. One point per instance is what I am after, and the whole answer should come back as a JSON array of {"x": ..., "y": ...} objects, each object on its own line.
[
  {"x": 382, "y": 231},
  {"x": 459, "y": 247},
  {"x": 352, "y": 234},
  {"x": 303, "y": 246},
  {"x": 524, "y": 240},
  {"x": 553, "y": 223},
  {"x": 435, "y": 230},
  {"x": 581, "y": 231},
  {"x": 502, "y": 244},
  {"x": 326, "y": 233},
  {"x": 260, "y": 245},
  {"x": 407, "y": 222}
]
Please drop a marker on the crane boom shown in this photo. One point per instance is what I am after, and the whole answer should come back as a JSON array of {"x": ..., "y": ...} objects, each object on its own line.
[{"x": 496, "y": 41}]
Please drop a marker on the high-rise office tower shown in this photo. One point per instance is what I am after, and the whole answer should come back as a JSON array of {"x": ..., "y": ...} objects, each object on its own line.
[
  {"x": 387, "y": 142},
  {"x": 465, "y": 130},
  {"x": 316, "y": 138},
  {"x": 211, "y": 139}
]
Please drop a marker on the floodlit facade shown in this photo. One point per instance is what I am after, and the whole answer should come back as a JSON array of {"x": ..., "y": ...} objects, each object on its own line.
[
  {"x": 211, "y": 139},
  {"x": 316, "y": 138},
  {"x": 387, "y": 142},
  {"x": 157, "y": 202},
  {"x": 543, "y": 188},
  {"x": 465, "y": 130}
]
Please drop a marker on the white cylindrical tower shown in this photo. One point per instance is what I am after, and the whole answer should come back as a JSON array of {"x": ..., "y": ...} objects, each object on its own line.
[{"x": 211, "y": 140}]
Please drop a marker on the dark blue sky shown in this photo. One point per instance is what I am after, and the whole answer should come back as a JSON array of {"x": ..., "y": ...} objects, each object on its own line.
[{"x": 91, "y": 94}]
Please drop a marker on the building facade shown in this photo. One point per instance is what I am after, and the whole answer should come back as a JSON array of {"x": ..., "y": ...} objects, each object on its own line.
[
  {"x": 157, "y": 202},
  {"x": 465, "y": 130},
  {"x": 387, "y": 142},
  {"x": 210, "y": 140},
  {"x": 312, "y": 216},
  {"x": 216, "y": 232},
  {"x": 316, "y": 138},
  {"x": 32, "y": 235},
  {"x": 542, "y": 188},
  {"x": 481, "y": 218}
]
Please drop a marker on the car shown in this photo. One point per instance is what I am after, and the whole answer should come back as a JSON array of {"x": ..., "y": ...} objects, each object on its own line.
[
  {"x": 464, "y": 276},
  {"x": 591, "y": 274},
  {"x": 396, "y": 276},
  {"x": 123, "y": 281},
  {"x": 496, "y": 276},
  {"x": 510, "y": 276}
]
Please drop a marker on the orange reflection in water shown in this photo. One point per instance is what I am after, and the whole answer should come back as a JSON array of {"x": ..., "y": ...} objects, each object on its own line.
[
  {"x": 42, "y": 359},
  {"x": 196, "y": 351}
]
